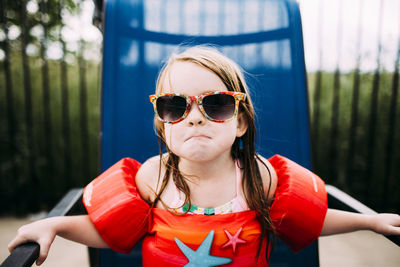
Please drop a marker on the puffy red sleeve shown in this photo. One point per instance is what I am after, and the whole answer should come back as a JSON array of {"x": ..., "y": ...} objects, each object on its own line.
[
  {"x": 300, "y": 204},
  {"x": 115, "y": 207}
]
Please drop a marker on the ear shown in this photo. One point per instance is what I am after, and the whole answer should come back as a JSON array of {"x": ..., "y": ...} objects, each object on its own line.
[{"x": 242, "y": 125}]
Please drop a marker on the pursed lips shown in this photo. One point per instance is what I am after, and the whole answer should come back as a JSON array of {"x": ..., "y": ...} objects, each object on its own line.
[{"x": 198, "y": 136}]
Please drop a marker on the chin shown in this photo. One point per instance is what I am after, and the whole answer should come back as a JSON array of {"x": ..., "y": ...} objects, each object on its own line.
[{"x": 197, "y": 156}]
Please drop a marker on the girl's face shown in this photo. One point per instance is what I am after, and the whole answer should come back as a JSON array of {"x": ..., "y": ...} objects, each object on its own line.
[{"x": 196, "y": 138}]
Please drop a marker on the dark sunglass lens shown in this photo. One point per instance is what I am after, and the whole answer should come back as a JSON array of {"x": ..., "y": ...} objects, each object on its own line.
[
  {"x": 170, "y": 107},
  {"x": 219, "y": 106}
]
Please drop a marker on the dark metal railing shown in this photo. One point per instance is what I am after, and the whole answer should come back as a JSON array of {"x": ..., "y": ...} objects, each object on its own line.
[
  {"x": 8, "y": 84},
  {"x": 391, "y": 134},
  {"x": 65, "y": 111},
  {"x": 45, "y": 85},
  {"x": 27, "y": 85}
]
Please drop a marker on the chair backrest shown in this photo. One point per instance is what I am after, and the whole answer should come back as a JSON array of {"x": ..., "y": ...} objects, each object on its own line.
[{"x": 263, "y": 36}]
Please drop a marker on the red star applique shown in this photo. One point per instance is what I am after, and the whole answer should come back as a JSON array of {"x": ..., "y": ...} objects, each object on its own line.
[{"x": 233, "y": 240}]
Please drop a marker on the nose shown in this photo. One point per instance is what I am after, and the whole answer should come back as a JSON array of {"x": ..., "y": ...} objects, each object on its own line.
[{"x": 195, "y": 117}]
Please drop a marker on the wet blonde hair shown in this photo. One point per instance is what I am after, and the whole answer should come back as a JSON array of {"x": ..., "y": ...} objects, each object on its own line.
[{"x": 242, "y": 149}]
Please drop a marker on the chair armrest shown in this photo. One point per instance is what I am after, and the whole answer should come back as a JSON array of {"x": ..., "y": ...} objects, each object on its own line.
[
  {"x": 26, "y": 254},
  {"x": 340, "y": 199},
  {"x": 65, "y": 205}
]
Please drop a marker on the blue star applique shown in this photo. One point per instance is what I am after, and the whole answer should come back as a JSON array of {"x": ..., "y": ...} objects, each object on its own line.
[{"x": 202, "y": 257}]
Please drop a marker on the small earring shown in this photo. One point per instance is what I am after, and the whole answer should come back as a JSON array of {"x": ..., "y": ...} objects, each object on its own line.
[{"x": 241, "y": 143}]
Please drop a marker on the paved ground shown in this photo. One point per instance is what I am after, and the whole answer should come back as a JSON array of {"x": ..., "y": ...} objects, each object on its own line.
[
  {"x": 363, "y": 248},
  {"x": 63, "y": 253}
]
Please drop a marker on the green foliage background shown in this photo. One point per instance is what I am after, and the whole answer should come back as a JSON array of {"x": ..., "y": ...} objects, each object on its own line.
[
  {"x": 21, "y": 191},
  {"x": 32, "y": 180},
  {"x": 373, "y": 192}
]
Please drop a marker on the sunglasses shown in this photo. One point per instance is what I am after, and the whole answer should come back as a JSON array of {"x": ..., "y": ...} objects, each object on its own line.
[{"x": 215, "y": 106}]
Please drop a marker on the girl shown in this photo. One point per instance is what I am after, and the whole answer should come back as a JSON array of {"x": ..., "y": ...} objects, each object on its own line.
[{"x": 211, "y": 199}]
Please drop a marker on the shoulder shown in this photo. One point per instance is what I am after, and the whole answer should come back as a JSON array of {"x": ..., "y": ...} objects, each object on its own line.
[
  {"x": 147, "y": 177},
  {"x": 268, "y": 176}
]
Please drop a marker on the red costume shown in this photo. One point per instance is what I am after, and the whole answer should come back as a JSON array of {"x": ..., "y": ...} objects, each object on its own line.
[{"x": 122, "y": 218}]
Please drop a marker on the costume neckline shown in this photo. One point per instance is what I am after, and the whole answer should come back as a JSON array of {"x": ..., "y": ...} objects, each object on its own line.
[{"x": 235, "y": 204}]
